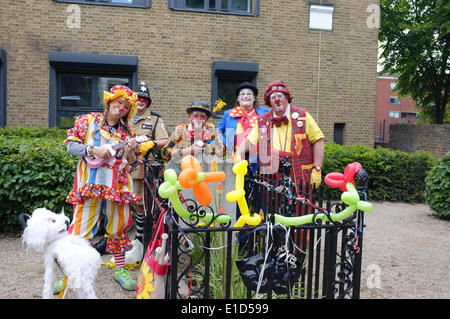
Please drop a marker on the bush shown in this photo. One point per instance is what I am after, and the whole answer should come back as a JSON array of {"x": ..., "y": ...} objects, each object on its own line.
[
  {"x": 437, "y": 188},
  {"x": 35, "y": 171},
  {"x": 393, "y": 175}
]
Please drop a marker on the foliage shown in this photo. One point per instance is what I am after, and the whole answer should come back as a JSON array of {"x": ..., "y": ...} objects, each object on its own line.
[
  {"x": 415, "y": 43},
  {"x": 35, "y": 171},
  {"x": 437, "y": 188},
  {"x": 393, "y": 175}
]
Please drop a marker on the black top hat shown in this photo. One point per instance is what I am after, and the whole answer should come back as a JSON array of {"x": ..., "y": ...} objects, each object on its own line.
[
  {"x": 246, "y": 85},
  {"x": 201, "y": 106}
]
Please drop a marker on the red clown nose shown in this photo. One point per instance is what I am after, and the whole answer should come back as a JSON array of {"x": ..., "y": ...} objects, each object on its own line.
[{"x": 277, "y": 100}]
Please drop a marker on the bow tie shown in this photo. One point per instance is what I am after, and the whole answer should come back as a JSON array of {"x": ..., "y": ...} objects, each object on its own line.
[{"x": 277, "y": 121}]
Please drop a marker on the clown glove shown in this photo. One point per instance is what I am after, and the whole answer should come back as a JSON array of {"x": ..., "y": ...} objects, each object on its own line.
[{"x": 316, "y": 178}]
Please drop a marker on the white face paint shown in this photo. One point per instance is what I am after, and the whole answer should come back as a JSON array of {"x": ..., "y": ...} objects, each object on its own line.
[
  {"x": 141, "y": 105},
  {"x": 246, "y": 98},
  {"x": 279, "y": 103},
  {"x": 119, "y": 107}
]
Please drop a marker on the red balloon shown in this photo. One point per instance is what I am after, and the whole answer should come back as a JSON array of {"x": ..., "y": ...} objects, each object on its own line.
[{"x": 335, "y": 180}]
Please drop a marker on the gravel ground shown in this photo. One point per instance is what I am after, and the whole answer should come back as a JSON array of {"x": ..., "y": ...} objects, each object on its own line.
[{"x": 406, "y": 252}]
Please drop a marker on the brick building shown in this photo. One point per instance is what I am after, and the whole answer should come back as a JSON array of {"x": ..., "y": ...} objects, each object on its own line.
[
  {"x": 391, "y": 109},
  {"x": 57, "y": 56}
]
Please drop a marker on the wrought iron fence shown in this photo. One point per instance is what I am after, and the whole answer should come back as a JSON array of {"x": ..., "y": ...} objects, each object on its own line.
[{"x": 321, "y": 259}]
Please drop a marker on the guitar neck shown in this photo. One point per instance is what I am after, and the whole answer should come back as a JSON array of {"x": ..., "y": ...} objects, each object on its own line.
[{"x": 119, "y": 145}]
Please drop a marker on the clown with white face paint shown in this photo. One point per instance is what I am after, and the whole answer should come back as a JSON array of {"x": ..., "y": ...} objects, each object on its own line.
[
  {"x": 290, "y": 133},
  {"x": 238, "y": 122},
  {"x": 197, "y": 137}
]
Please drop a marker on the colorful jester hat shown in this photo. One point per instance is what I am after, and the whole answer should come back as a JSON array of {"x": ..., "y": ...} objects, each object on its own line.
[{"x": 122, "y": 91}]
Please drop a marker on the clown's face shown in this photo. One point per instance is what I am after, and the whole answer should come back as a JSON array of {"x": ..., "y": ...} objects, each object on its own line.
[
  {"x": 142, "y": 104},
  {"x": 279, "y": 103},
  {"x": 198, "y": 119},
  {"x": 119, "y": 107},
  {"x": 246, "y": 99}
]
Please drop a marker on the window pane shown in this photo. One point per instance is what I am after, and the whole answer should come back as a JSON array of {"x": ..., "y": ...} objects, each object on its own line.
[
  {"x": 66, "y": 119},
  {"x": 226, "y": 90},
  {"x": 195, "y": 4},
  {"x": 212, "y": 5},
  {"x": 76, "y": 91},
  {"x": 106, "y": 83},
  {"x": 394, "y": 100},
  {"x": 122, "y": 1},
  {"x": 240, "y": 5},
  {"x": 224, "y": 5},
  {"x": 321, "y": 17}
]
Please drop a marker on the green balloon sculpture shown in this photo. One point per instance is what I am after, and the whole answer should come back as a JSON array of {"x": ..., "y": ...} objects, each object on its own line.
[{"x": 169, "y": 189}]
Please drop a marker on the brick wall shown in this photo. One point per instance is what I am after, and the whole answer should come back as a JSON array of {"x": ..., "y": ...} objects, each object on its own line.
[
  {"x": 176, "y": 50},
  {"x": 433, "y": 138}
]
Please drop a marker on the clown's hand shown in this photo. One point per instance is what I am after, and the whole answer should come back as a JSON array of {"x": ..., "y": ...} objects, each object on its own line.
[
  {"x": 145, "y": 147},
  {"x": 316, "y": 178},
  {"x": 236, "y": 158}
]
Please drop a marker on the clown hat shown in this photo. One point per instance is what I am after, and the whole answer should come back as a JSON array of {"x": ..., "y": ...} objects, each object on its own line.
[
  {"x": 122, "y": 91},
  {"x": 246, "y": 85},
  {"x": 200, "y": 106},
  {"x": 276, "y": 86}
]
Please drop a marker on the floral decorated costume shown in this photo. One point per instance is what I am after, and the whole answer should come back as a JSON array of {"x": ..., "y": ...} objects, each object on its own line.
[{"x": 107, "y": 187}]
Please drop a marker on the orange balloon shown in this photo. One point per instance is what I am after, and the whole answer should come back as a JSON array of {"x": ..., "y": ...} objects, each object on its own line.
[
  {"x": 190, "y": 161},
  {"x": 202, "y": 194},
  {"x": 187, "y": 178},
  {"x": 212, "y": 177}
]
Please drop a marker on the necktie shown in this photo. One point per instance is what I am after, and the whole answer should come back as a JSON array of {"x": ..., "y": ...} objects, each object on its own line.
[{"x": 277, "y": 121}]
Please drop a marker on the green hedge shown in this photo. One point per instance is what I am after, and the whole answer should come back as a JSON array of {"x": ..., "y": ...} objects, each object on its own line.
[
  {"x": 36, "y": 171},
  {"x": 393, "y": 175},
  {"x": 437, "y": 190}
]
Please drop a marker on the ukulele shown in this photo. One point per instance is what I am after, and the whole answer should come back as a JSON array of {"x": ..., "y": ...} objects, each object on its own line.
[{"x": 96, "y": 162}]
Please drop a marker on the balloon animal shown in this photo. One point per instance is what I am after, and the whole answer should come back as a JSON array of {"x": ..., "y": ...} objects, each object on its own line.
[
  {"x": 193, "y": 177},
  {"x": 169, "y": 189},
  {"x": 238, "y": 195},
  {"x": 350, "y": 197}
]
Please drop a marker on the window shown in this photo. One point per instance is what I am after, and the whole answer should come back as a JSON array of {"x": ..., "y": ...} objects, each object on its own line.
[
  {"x": 243, "y": 7},
  {"x": 394, "y": 100},
  {"x": 77, "y": 82},
  {"x": 82, "y": 93},
  {"x": 394, "y": 114},
  {"x": 226, "y": 77},
  {"x": 338, "y": 133},
  {"x": 321, "y": 17},
  {"x": 2, "y": 87},
  {"x": 126, "y": 3},
  {"x": 392, "y": 85}
]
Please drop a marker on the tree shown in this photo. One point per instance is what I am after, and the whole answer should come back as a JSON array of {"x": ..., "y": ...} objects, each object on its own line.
[{"x": 415, "y": 40}]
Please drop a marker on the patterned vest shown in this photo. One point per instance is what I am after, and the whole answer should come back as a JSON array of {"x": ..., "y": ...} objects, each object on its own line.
[{"x": 301, "y": 149}]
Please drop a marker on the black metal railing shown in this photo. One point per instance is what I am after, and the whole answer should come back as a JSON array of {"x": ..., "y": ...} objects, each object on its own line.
[{"x": 316, "y": 260}]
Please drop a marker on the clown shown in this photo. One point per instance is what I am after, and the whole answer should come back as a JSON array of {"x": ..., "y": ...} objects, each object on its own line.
[
  {"x": 108, "y": 187},
  {"x": 197, "y": 137},
  {"x": 238, "y": 122},
  {"x": 150, "y": 124},
  {"x": 288, "y": 133}
]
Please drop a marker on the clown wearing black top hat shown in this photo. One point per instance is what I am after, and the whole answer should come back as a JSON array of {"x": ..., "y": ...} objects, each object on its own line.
[{"x": 237, "y": 123}]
